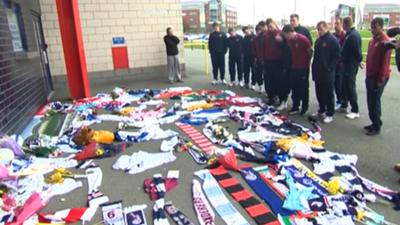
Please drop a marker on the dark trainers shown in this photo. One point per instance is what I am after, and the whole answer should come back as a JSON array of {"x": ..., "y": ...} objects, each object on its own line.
[
  {"x": 397, "y": 167},
  {"x": 372, "y": 132},
  {"x": 294, "y": 111},
  {"x": 369, "y": 127},
  {"x": 303, "y": 111}
]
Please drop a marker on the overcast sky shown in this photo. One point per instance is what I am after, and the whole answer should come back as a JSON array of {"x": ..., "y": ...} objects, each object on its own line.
[{"x": 310, "y": 11}]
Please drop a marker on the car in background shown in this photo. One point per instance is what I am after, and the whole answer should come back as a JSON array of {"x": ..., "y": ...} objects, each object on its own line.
[{"x": 191, "y": 37}]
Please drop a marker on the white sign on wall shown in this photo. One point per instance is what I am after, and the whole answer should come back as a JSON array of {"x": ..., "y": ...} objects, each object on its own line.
[{"x": 14, "y": 30}]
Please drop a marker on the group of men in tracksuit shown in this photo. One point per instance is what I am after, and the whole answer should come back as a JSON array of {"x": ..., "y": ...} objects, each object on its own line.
[
  {"x": 267, "y": 56},
  {"x": 279, "y": 61}
]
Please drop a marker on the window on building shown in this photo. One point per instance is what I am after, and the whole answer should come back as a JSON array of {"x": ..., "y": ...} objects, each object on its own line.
[{"x": 16, "y": 26}]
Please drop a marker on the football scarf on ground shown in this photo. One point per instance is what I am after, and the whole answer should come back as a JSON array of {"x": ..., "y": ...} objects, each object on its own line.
[
  {"x": 72, "y": 215},
  {"x": 198, "y": 138},
  {"x": 302, "y": 178},
  {"x": 204, "y": 212},
  {"x": 267, "y": 174},
  {"x": 159, "y": 217},
  {"x": 264, "y": 191},
  {"x": 170, "y": 182},
  {"x": 159, "y": 183},
  {"x": 95, "y": 196},
  {"x": 221, "y": 204},
  {"x": 198, "y": 156},
  {"x": 254, "y": 208}
]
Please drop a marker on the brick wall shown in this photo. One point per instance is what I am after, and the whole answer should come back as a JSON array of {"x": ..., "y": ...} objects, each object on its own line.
[{"x": 141, "y": 22}]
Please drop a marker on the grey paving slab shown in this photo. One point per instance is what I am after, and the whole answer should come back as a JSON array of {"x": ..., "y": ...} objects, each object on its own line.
[{"x": 377, "y": 155}]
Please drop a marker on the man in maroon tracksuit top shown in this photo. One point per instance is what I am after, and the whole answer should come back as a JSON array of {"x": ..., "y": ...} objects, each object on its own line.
[
  {"x": 272, "y": 61},
  {"x": 301, "y": 51},
  {"x": 377, "y": 74},
  {"x": 340, "y": 35},
  {"x": 257, "y": 46}
]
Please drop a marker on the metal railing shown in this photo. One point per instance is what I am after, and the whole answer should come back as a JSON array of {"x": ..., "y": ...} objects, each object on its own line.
[{"x": 199, "y": 44}]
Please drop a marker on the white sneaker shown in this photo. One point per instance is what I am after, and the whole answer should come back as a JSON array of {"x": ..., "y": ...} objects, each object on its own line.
[
  {"x": 254, "y": 87},
  {"x": 294, "y": 111},
  {"x": 343, "y": 110},
  {"x": 318, "y": 114},
  {"x": 214, "y": 82},
  {"x": 223, "y": 82},
  {"x": 338, "y": 106},
  {"x": 328, "y": 119},
  {"x": 282, "y": 106},
  {"x": 241, "y": 83},
  {"x": 352, "y": 115},
  {"x": 229, "y": 84}
]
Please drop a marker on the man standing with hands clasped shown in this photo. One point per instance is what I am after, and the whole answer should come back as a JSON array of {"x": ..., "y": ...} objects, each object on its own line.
[
  {"x": 234, "y": 44},
  {"x": 301, "y": 53},
  {"x": 377, "y": 74},
  {"x": 351, "y": 60},
  {"x": 326, "y": 56},
  {"x": 171, "y": 42},
  {"x": 217, "y": 44}
]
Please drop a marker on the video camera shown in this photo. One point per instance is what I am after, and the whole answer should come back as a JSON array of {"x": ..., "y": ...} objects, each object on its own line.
[{"x": 394, "y": 44}]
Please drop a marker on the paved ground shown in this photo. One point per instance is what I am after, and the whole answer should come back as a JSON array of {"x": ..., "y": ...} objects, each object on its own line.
[{"x": 377, "y": 155}]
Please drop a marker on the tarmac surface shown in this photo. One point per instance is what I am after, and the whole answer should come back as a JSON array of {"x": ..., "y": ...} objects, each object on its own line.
[{"x": 377, "y": 155}]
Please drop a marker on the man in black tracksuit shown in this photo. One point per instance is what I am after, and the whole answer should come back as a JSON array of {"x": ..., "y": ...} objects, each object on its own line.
[
  {"x": 340, "y": 35},
  {"x": 351, "y": 57},
  {"x": 217, "y": 47},
  {"x": 234, "y": 44},
  {"x": 284, "y": 81},
  {"x": 326, "y": 56},
  {"x": 248, "y": 58},
  {"x": 257, "y": 47}
]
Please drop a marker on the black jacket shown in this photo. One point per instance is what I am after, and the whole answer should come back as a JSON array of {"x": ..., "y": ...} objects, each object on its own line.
[
  {"x": 351, "y": 50},
  {"x": 217, "y": 43},
  {"x": 246, "y": 46},
  {"x": 304, "y": 31},
  {"x": 286, "y": 57},
  {"x": 235, "y": 46},
  {"x": 171, "y": 42},
  {"x": 326, "y": 56}
]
